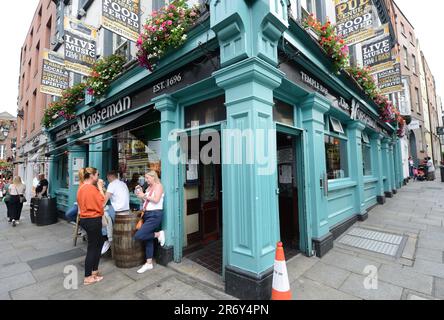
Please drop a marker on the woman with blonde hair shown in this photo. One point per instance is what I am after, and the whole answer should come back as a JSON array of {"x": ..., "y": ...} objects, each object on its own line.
[
  {"x": 16, "y": 190},
  {"x": 153, "y": 215}
]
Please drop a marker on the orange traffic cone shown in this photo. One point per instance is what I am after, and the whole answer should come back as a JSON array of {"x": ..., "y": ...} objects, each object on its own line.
[{"x": 281, "y": 285}]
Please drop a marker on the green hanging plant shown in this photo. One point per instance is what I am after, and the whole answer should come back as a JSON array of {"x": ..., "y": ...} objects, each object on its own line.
[{"x": 103, "y": 73}]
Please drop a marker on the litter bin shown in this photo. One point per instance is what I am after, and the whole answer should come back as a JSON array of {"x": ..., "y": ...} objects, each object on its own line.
[
  {"x": 46, "y": 213},
  {"x": 442, "y": 173},
  {"x": 34, "y": 208}
]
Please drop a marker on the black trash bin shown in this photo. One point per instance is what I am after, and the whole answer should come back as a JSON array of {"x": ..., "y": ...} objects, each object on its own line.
[
  {"x": 442, "y": 173},
  {"x": 34, "y": 208},
  {"x": 46, "y": 213}
]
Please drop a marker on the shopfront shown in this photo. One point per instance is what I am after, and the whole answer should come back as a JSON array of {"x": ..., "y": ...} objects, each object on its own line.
[{"x": 297, "y": 154}]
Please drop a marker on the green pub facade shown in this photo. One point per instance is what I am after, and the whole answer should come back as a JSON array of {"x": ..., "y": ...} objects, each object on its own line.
[{"x": 247, "y": 65}]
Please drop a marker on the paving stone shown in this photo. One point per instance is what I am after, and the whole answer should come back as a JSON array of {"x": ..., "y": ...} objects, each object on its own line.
[
  {"x": 430, "y": 243},
  {"x": 306, "y": 289},
  {"x": 5, "y": 296},
  {"x": 16, "y": 282},
  {"x": 347, "y": 262},
  {"x": 409, "y": 248},
  {"x": 354, "y": 285},
  {"x": 406, "y": 278},
  {"x": 297, "y": 266},
  {"x": 431, "y": 222},
  {"x": 55, "y": 258},
  {"x": 439, "y": 288},
  {"x": 39, "y": 291},
  {"x": 111, "y": 283},
  {"x": 55, "y": 270},
  {"x": 13, "y": 269},
  {"x": 429, "y": 268},
  {"x": 179, "y": 288},
  {"x": 329, "y": 275},
  {"x": 432, "y": 255}
]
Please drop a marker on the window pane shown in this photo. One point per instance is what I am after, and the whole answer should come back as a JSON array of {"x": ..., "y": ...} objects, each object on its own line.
[
  {"x": 336, "y": 158},
  {"x": 367, "y": 159},
  {"x": 283, "y": 113},
  {"x": 206, "y": 112}
]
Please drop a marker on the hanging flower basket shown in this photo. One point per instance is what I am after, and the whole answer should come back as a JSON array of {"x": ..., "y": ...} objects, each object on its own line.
[
  {"x": 164, "y": 31},
  {"x": 332, "y": 44},
  {"x": 103, "y": 73}
]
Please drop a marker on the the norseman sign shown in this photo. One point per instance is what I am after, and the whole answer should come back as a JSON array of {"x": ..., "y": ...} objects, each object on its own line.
[{"x": 104, "y": 114}]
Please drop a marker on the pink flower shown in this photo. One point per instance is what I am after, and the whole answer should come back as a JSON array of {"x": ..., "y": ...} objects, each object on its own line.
[
  {"x": 193, "y": 14},
  {"x": 169, "y": 22},
  {"x": 139, "y": 41},
  {"x": 171, "y": 14}
]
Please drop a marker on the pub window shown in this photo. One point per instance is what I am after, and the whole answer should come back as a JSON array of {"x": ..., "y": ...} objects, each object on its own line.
[
  {"x": 366, "y": 155},
  {"x": 138, "y": 150},
  {"x": 283, "y": 113},
  {"x": 205, "y": 112},
  {"x": 336, "y": 157},
  {"x": 64, "y": 183},
  {"x": 336, "y": 125}
]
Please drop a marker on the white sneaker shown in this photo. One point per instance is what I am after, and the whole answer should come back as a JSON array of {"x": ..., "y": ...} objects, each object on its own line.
[
  {"x": 161, "y": 238},
  {"x": 17, "y": 222},
  {"x": 145, "y": 268},
  {"x": 106, "y": 247}
]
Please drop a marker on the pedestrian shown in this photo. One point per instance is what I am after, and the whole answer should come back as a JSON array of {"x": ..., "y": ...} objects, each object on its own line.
[
  {"x": 411, "y": 165},
  {"x": 7, "y": 199},
  {"x": 35, "y": 183},
  {"x": 90, "y": 199},
  {"x": 118, "y": 194},
  {"x": 42, "y": 188},
  {"x": 153, "y": 213},
  {"x": 16, "y": 190},
  {"x": 430, "y": 170}
]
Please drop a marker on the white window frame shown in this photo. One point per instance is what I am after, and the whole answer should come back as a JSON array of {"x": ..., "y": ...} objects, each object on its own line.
[
  {"x": 336, "y": 125},
  {"x": 365, "y": 138}
]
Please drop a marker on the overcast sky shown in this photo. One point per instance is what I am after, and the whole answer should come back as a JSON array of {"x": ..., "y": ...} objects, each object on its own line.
[{"x": 425, "y": 16}]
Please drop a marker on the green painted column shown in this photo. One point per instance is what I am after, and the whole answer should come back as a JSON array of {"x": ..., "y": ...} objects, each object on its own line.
[
  {"x": 398, "y": 164},
  {"x": 250, "y": 202},
  {"x": 392, "y": 166},
  {"x": 354, "y": 132},
  {"x": 388, "y": 191},
  {"x": 172, "y": 224},
  {"x": 100, "y": 152},
  {"x": 377, "y": 165},
  {"x": 53, "y": 183},
  {"x": 313, "y": 109}
]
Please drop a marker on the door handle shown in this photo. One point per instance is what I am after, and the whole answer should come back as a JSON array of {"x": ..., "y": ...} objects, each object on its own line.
[
  {"x": 278, "y": 192},
  {"x": 325, "y": 184}
]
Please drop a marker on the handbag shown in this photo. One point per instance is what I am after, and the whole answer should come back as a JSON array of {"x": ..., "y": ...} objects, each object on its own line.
[
  {"x": 22, "y": 198},
  {"x": 140, "y": 222}
]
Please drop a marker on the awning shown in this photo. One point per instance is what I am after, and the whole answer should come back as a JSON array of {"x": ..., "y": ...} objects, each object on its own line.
[
  {"x": 114, "y": 125},
  {"x": 110, "y": 127}
]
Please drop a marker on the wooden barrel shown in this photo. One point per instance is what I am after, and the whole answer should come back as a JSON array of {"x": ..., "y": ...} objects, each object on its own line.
[{"x": 127, "y": 252}]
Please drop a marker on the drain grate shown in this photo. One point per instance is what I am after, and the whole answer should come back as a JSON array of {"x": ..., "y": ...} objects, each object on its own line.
[{"x": 375, "y": 241}]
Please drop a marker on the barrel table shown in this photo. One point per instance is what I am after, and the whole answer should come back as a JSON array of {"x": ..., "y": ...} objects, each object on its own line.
[
  {"x": 127, "y": 252},
  {"x": 45, "y": 211}
]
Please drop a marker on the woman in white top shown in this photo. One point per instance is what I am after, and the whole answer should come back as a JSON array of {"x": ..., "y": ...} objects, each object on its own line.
[
  {"x": 16, "y": 190},
  {"x": 153, "y": 208}
]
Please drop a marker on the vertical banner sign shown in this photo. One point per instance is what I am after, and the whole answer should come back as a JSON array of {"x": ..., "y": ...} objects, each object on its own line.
[
  {"x": 390, "y": 81},
  {"x": 377, "y": 53},
  {"x": 80, "y": 46},
  {"x": 55, "y": 78},
  {"x": 122, "y": 17},
  {"x": 354, "y": 20}
]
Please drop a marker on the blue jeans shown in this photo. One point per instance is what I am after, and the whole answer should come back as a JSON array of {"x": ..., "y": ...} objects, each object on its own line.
[
  {"x": 152, "y": 221},
  {"x": 71, "y": 214}
]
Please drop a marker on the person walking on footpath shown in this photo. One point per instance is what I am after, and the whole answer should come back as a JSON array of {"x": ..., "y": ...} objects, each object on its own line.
[
  {"x": 90, "y": 199},
  {"x": 430, "y": 169},
  {"x": 7, "y": 199},
  {"x": 16, "y": 190},
  {"x": 153, "y": 214}
]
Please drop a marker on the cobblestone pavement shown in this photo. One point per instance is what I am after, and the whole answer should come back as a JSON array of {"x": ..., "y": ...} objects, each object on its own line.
[{"x": 33, "y": 259}]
